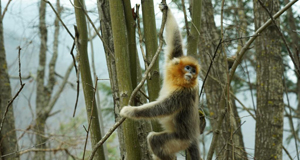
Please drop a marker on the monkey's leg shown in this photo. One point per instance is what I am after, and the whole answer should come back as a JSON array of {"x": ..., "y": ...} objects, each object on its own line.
[
  {"x": 164, "y": 145},
  {"x": 194, "y": 151}
]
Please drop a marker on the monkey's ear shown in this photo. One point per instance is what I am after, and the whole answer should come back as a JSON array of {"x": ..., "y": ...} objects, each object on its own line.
[
  {"x": 163, "y": 6},
  {"x": 175, "y": 61}
]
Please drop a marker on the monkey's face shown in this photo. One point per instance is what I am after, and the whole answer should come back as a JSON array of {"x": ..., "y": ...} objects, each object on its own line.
[
  {"x": 182, "y": 72},
  {"x": 190, "y": 72}
]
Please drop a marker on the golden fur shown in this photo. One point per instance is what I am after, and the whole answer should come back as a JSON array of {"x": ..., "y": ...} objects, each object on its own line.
[{"x": 174, "y": 74}]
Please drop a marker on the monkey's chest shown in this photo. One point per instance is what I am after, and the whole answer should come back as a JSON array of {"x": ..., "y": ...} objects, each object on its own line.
[{"x": 168, "y": 123}]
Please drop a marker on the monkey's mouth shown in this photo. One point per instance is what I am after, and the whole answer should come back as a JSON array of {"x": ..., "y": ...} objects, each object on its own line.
[{"x": 188, "y": 76}]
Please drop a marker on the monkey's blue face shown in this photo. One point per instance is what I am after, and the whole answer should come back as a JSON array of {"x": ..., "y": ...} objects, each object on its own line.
[
  {"x": 190, "y": 72},
  {"x": 190, "y": 69}
]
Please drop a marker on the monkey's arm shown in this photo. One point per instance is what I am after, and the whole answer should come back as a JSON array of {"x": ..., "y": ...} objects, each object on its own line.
[
  {"x": 168, "y": 106},
  {"x": 172, "y": 36}
]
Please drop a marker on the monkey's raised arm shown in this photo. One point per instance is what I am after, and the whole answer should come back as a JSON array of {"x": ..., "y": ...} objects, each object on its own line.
[
  {"x": 172, "y": 36},
  {"x": 160, "y": 108}
]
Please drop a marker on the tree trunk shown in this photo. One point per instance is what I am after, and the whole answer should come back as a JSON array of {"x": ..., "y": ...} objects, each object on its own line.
[
  {"x": 151, "y": 46},
  {"x": 269, "y": 116},
  {"x": 86, "y": 78},
  {"x": 193, "y": 37},
  {"x": 106, "y": 32},
  {"x": 42, "y": 94},
  {"x": 7, "y": 134},
  {"x": 123, "y": 75},
  {"x": 231, "y": 148},
  {"x": 143, "y": 127}
]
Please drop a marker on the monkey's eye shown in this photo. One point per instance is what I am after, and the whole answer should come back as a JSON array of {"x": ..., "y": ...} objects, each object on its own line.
[
  {"x": 190, "y": 69},
  {"x": 187, "y": 68},
  {"x": 193, "y": 71}
]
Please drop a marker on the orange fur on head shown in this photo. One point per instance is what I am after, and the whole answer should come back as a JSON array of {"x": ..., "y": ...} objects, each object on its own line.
[{"x": 175, "y": 72}]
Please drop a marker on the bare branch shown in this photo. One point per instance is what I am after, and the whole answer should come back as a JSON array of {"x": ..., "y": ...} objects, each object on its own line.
[
  {"x": 141, "y": 36},
  {"x": 11, "y": 101},
  {"x": 78, "y": 69},
  {"x": 62, "y": 22},
  {"x": 61, "y": 87},
  {"x": 210, "y": 66},
  {"x": 185, "y": 18},
  {"x": 5, "y": 9},
  {"x": 90, "y": 120}
]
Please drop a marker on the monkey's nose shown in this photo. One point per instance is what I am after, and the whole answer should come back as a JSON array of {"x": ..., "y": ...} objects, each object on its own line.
[{"x": 188, "y": 76}]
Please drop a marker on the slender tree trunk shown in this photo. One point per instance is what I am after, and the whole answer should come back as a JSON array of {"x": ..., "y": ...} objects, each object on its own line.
[
  {"x": 42, "y": 94},
  {"x": 143, "y": 127},
  {"x": 228, "y": 146},
  {"x": 193, "y": 37},
  {"x": 151, "y": 46},
  {"x": 97, "y": 95},
  {"x": 269, "y": 116},
  {"x": 8, "y": 137},
  {"x": 106, "y": 32},
  {"x": 123, "y": 75},
  {"x": 86, "y": 78}
]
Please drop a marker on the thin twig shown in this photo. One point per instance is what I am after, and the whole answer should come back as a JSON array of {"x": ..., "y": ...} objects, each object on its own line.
[
  {"x": 59, "y": 91},
  {"x": 11, "y": 101},
  {"x": 5, "y": 9},
  {"x": 91, "y": 117},
  {"x": 73, "y": 57},
  {"x": 62, "y": 22},
  {"x": 250, "y": 86},
  {"x": 185, "y": 18},
  {"x": 210, "y": 66},
  {"x": 232, "y": 135},
  {"x": 141, "y": 36},
  {"x": 19, "y": 57},
  {"x": 77, "y": 69},
  {"x": 286, "y": 151},
  {"x": 290, "y": 118},
  {"x": 117, "y": 124}
]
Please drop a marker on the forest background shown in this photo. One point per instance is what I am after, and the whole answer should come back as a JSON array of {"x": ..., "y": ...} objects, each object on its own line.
[{"x": 51, "y": 132}]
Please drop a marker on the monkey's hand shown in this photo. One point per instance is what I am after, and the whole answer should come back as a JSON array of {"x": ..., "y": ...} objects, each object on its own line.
[
  {"x": 163, "y": 6},
  {"x": 128, "y": 111}
]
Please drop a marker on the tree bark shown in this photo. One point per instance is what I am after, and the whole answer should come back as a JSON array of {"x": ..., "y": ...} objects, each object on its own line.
[
  {"x": 7, "y": 134},
  {"x": 143, "y": 127},
  {"x": 269, "y": 116},
  {"x": 106, "y": 32},
  {"x": 193, "y": 37},
  {"x": 42, "y": 93},
  {"x": 120, "y": 39},
  {"x": 151, "y": 46},
  {"x": 86, "y": 78}
]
